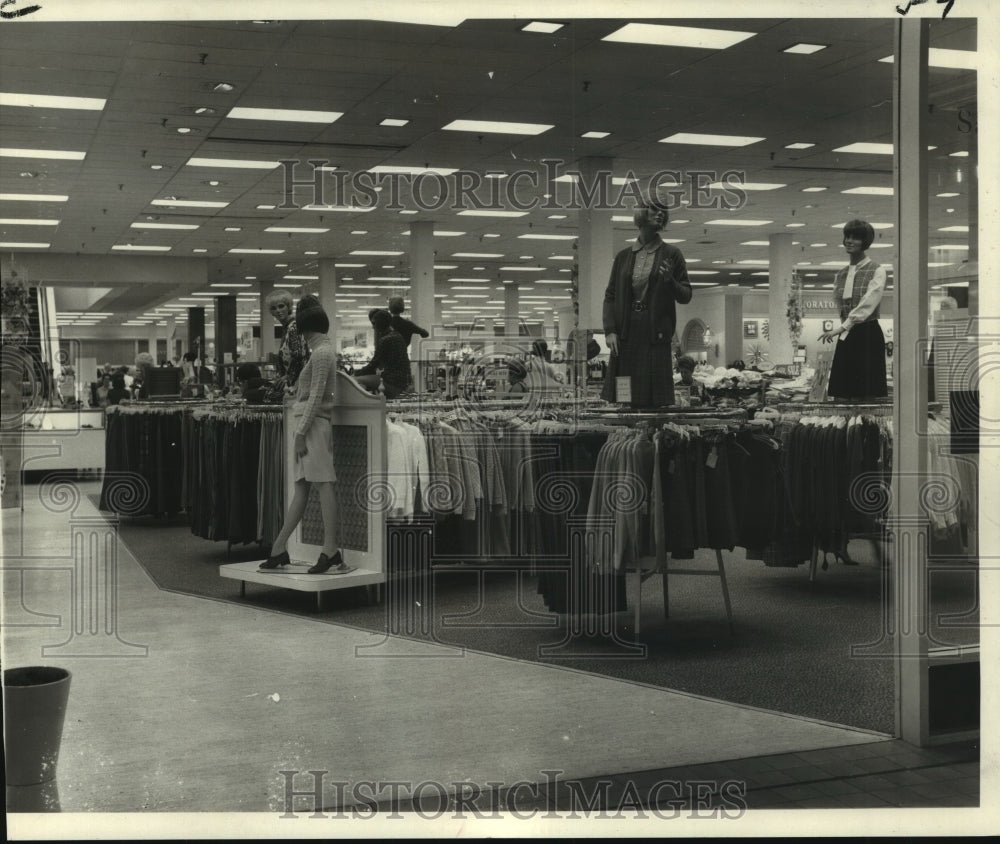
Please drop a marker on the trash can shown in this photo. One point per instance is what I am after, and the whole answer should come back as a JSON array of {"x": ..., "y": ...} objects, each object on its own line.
[{"x": 34, "y": 703}]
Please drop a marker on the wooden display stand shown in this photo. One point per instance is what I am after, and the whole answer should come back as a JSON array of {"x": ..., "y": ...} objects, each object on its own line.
[{"x": 360, "y": 461}]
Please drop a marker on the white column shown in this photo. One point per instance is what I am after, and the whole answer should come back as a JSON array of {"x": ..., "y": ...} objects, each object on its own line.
[
  {"x": 422, "y": 302},
  {"x": 595, "y": 248},
  {"x": 512, "y": 318},
  {"x": 780, "y": 271},
  {"x": 328, "y": 295},
  {"x": 154, "y": 333},
  {"x": 268, "y": 342},
  {"x": 909, "y": 552},
  {"x": 734, "y": 328}
]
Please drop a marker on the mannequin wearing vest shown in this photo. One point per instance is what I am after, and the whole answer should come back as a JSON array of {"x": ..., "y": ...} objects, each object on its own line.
[{"x": 858, "y": 368}]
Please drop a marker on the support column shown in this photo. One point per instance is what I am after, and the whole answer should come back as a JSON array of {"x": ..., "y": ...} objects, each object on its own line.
[
  {"x": 268, "y": 342},
  {"x": 596, "y": 246},
  {"x": 170, "y": 331},
  {"x": 196, "y": 332},
  {"x": 154, "y": 333},
  {"x": 734, "y": 328},
  {"x": 780, "y": 286},
  {"x": 909, "y": 554},
  {"x": 422, "y": 304},
  {"x": 225, "y": 335},
  {"x": 328, "y": 295},
  {"x": 511, "y": 315}
]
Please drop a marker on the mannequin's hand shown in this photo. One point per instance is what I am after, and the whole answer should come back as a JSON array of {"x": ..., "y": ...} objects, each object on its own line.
[
  {"x": 830, "y": 336},
  {"x": 300, "y": 446},
  {"x": 612, "y": 340}
]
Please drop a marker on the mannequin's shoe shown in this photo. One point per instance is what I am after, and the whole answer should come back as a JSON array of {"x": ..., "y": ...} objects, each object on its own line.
[
  {"x": 275, "y": 562},
  {"x": 330, "y": 565}
]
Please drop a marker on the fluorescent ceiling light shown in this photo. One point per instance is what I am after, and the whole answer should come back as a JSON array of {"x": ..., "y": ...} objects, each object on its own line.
[
  {"x": 813, "y": 190},
  {"x": 131, "y": 247},
  {"x": 61, "y": 154},
  {"x": 393, "y": 121},
  {"x": 521, "y": 269},
  {"x": 230, "y": 284},
  {"x": 234, "y": 228},
  {"x": 33, "y": 197},
  {"x": 874, "y": 149},
  {"x": 442, "y": 233},
  {"x": 235, "y": 163},
  {"x": 257, "y": 251},
  {"x": 873, "y": 225},
  {"x": 553, "y": 281},
  {"x": 703, "y": 272},
  {"x": 287, "y": 115},
  {"x": 22, "y": 222},
  {"x": 754, "y": 261},
  {"x": 347, "y": 208},
  {"x": 678, "y": 36},
  {"x": 8, "y": 244},
  {"x": 413, "y": 171},
  {"x": 189, "y": 203},
  {"x": 947, "y": 195},
  {"x": 499, "y": 127},
  {"x": 870, "y": 190},
  {"x": 756, "y": 243},
  {"x": 962, "y": 153},
  {"x": 46, "y": 101},
  {"x": 805, "y": 49},
  {"x": 945, "y": 229},
  {"x": 482, "y": 212},
  {"x": 186, "y": 226},
  {"x": 597, "y": 135},
  {"x": 952, "y": 247},
  {"x": 794, "y": 225},
  {"x": 294, "y": 230},
  {"x": 799, "y": 146},
  {"x": 373, "y": 252},
  {"x": 302, "y": 277},
  {"x": 739, "y": 222},
  {"x": 940, "y": 264},
  {"x": 940, "y": 57},
  {"x": 349, "y": 266},
  {"x": 710, "y": 140},
  {"x": 547, "y": 236},
  {"x": 446, "y": 266},
  {"x": 476, "y": 254},
  {"x": 747, "y": 186},
  {"x": 542, "y": 26}
]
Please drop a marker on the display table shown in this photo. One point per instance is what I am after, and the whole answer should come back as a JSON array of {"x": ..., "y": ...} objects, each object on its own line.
[{"x": 294, "y": 577}]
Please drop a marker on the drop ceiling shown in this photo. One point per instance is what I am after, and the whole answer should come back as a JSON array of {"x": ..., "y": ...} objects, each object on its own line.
[{"x": 157, "y": 78}]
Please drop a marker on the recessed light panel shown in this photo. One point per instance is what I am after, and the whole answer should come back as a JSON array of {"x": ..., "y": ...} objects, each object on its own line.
[
  {"x": 678, "y": 36},
  {"x": 805, "y": 49},
  {"x": 710, "y": 140},
  {"x": 45, "y": 101},
  {"x": 55, "y": 154},
  {"x": 285, "y": 115},
  {"x": 499, "y": 127}
]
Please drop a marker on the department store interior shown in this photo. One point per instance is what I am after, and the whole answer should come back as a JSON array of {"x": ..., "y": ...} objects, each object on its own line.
[{"x": 161, "y": 180}]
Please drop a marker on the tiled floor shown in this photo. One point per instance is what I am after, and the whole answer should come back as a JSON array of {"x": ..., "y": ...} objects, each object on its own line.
[{"x": 883, "y": 774}]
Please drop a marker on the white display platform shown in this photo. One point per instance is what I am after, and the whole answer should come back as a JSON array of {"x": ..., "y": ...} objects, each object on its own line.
[
  {"x": 358, "y": 421},
  {"x": 295, "y": 577}
]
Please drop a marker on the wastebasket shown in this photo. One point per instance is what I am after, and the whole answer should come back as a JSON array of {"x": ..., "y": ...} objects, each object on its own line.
[{"x": 34, "y": 703}]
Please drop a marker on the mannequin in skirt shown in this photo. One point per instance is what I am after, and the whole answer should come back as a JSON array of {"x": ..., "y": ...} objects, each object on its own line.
[{"x": 858, "y": 368}]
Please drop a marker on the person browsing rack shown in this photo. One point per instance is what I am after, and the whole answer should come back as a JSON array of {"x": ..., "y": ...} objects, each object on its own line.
[
  {"x": 389, "y": 367},
  {"x": 648, "y": 279},
  {"x": 405, "y": 327},
  {"x": 313, "y": 432}
]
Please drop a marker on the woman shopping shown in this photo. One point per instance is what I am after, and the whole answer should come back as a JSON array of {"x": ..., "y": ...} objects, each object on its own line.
[
  {"x": 293, "y": 352},
  {"x": 313, "y": 431},
  {"x": 858, "y": 368},
  {"x": 648, "y": 278}
]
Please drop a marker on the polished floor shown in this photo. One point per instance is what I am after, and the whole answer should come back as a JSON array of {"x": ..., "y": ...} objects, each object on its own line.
[{"x": 182, "y": 705}]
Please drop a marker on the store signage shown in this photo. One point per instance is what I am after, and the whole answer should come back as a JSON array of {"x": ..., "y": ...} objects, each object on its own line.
[{"x": 819, "y": 306}]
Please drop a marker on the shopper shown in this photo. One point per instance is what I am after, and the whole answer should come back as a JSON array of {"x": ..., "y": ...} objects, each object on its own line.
[
  {"x": 858, "y": 368},
  {"x": 516, "y": 373},
  {"x": 313, "y": 431},
  {"x": 293, "y": 351},
  {"x": 389, "y": 368},
  {"x": 118, "y": 390},
  {"x": 640, "y": 314},
  {"x": 685, "y": 366},
  {"x": 539, "y": 367},
  {"x": 405, "y": 328}
]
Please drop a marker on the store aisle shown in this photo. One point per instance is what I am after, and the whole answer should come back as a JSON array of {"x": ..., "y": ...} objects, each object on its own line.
[{"x": 226, "y": 697}]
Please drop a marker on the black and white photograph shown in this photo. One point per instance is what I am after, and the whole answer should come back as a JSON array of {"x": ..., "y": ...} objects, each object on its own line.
[{"x": 316, "y": 520}]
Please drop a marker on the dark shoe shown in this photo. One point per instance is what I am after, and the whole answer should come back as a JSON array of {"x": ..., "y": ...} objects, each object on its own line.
[
  {"x": 275, "y": 562},
  {"x": 324, "y": 563},
  {"x": 330, "y": 565}
]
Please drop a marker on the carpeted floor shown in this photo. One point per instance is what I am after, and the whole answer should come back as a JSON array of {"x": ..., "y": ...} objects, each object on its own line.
[{"x": 791, "y": 650}]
